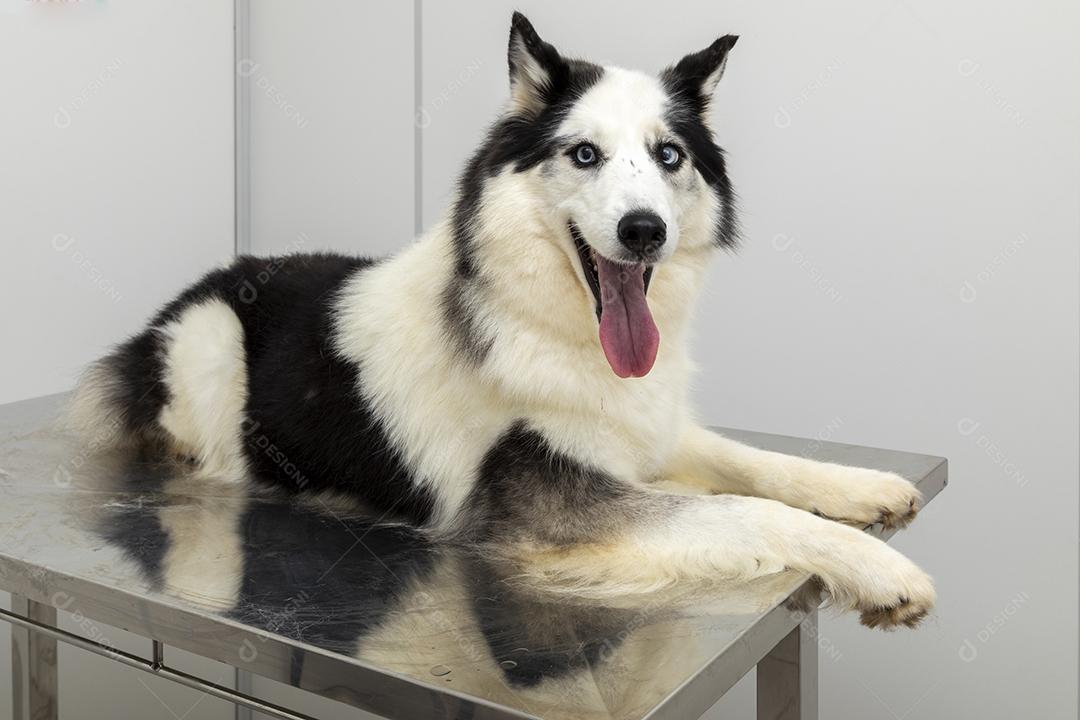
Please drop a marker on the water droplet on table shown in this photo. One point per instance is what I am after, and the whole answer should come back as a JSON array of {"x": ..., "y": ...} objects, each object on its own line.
[{"x": 440, "y": 670}]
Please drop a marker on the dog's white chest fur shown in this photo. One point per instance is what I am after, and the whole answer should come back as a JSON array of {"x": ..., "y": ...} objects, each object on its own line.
[{"x": 444, "y": 415}]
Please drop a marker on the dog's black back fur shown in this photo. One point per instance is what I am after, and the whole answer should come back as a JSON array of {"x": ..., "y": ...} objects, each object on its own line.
[{"x": 306, "y": 425}]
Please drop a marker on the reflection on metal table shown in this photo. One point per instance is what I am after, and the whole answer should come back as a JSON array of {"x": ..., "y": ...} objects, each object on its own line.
[{"x": 368, "y": 614}]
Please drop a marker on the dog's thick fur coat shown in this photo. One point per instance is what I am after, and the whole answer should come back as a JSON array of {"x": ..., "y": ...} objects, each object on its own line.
[{"x": 461, "y": 385}]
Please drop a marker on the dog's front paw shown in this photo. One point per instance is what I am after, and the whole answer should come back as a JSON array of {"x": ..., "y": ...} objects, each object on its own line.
[
  {"x": 883, "y": 586},
  {"x": 862, "y": 497},
  {"x": 862, "y": 573},
  {"x": 903, "y": 595}
]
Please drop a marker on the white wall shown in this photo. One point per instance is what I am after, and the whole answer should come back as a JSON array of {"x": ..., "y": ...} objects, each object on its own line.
[
  {"x": 115, "y": 173},
  {"x": 331, "y": 87},
  {"x": 908, "y": 176}
]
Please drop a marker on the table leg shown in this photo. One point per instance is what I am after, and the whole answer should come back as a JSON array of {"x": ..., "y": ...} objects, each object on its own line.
[
  {"x": 243, "y": 685},
  {"x": 33, "y": 664},
  {"x": 787, "y": 678}
]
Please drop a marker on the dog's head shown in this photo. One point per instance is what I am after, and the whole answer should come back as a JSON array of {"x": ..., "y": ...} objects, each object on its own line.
[{"x": 628, "y": 172}]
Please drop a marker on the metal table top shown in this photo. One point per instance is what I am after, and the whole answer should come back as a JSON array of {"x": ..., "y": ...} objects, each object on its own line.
[{"x": 305, "y": 592}]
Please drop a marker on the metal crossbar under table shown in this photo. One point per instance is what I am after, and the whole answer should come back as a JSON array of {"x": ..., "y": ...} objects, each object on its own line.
[{"x": 33, "y": 653}]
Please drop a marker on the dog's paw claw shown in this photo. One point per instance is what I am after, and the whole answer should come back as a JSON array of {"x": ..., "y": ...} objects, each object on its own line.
[
  {"x": 890, "y": 519},
  {"x": 905, "y": 612},
  {"x": 873, "y": 497},
  {"x": 907, "y": 608}
]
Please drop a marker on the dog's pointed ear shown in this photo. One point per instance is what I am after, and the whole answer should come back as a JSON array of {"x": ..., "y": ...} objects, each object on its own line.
[
  {"x": 701, "y": 71},
  {"x": 534, "y": 67}
]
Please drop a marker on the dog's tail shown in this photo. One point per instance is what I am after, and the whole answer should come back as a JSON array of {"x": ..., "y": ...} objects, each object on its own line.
[
  {"x": 118, "y": 397},
  {"x": 94, "y": 411}
]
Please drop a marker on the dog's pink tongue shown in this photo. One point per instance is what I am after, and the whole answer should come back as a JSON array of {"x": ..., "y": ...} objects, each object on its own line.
[{"x": 627, "y": 331}]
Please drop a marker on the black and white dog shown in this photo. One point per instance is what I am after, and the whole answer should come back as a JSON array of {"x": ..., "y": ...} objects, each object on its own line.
[{"x": 518, "y": 377}]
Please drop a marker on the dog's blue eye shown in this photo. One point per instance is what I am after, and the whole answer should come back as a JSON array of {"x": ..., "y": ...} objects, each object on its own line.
[
  {"x": 585, "y": 154},
  {"x": 669, "y": 155}
]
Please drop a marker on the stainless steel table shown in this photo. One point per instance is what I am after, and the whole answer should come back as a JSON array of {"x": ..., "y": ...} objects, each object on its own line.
[{"x": 368, "y": 614}]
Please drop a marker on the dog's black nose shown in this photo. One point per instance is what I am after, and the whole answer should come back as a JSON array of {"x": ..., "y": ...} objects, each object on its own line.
[{"x": 642, "y": 233}]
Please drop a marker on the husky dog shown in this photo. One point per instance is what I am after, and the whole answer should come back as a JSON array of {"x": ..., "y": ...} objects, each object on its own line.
[{"x": 518, "y": 377}]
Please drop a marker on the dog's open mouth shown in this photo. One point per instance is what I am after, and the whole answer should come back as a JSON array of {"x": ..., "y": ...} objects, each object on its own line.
[{"x": 628, "y": 334}]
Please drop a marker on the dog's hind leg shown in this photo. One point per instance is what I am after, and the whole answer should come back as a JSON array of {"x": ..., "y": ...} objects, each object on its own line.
[
  {"x": 858, "y": 496},
  {"x": 206, "y": 375}
]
